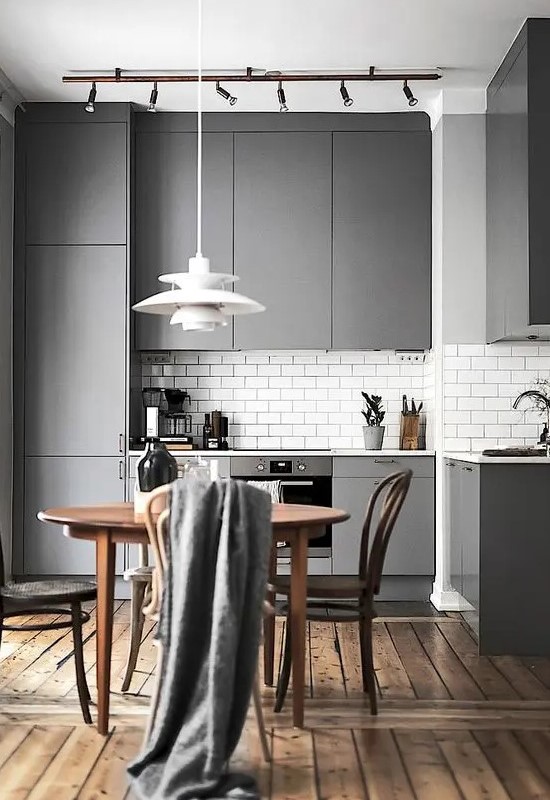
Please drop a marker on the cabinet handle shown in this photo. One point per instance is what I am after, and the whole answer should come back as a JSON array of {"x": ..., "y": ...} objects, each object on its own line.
[
  {"x": 449, "y": 464},
  {"x": 468, "y": 469},
  {"x": 121, "y": 442},
  {"x": 121, "y": 469},
  {"x": 384, "y": 460},
  {"x": 376, "y": 483}
]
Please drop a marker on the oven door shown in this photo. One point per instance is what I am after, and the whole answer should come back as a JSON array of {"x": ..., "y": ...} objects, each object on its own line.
[{"x": 310, "y": 492}]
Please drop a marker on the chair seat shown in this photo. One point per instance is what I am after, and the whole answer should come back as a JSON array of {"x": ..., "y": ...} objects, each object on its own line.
[
  {"x": 141, "y": 574},
  {"x": 323, "y": 585},
  {"x": 49, "y": 591}
]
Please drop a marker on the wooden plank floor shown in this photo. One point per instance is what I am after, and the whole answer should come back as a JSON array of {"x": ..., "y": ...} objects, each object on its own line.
[{"x": 452, "y": 725}]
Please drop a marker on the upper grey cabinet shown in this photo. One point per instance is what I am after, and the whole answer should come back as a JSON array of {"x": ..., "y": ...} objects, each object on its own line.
[
  {"x": 165, "y": 225},
  {"x": 75, "y": 350},
  {"x": 381, "y": 240},
  {"x": 518, "y": 175},
  {"x": 283, "y": 238},
  {"x": 76, "y": 183}
]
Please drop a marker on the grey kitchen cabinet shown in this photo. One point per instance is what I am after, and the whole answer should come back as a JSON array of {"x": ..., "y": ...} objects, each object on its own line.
[
  {"x": 381, "y": 240},
  {"x": 75, "y": 350},
  {"x": 463, "y": 497},
  {"x": 58, "y": 481},
  {"x": 283, "y": 238},
  {"x": 518, "y": 172},
  {"x": 165, "y": 226},
  {"x": 76, "y": 183},
  {"x": 411, "y": 549}
]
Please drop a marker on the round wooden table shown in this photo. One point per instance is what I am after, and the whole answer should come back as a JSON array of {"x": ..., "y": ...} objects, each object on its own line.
[{"x": 115, "y": 523}]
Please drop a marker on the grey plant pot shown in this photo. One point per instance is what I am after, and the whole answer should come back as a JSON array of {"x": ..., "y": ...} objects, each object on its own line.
[{"x": 373, "y": 436}]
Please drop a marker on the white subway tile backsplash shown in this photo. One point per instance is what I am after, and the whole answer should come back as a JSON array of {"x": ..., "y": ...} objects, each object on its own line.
[{"x": 293, "y": 399}]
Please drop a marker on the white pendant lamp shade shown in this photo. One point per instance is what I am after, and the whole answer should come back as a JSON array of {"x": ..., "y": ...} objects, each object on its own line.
[{"x": 200, "y": 302}]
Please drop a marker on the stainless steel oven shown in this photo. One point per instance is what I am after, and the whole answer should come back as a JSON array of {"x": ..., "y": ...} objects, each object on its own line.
[{"x": 305, "y": 480}]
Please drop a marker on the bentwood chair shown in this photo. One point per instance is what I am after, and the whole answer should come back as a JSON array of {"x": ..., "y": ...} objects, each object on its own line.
[
  {"x": 34, "y": 599},
  {"x": 157, "y": 529},
  {"x": 351, "y": 597},
  {"x": 140, "y": 579}
]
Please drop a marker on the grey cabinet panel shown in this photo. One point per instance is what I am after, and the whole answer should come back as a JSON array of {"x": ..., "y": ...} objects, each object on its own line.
[
  {"x": 76, "y": 183},
  {"x": 75, "y": 350},
  {"x": 381, "y": 240},
  {"x": 166, "y": 213},
  {"x": 283, "y": 238},
  {"x": 454, "y": 518},
  {"x": 51, "y": 482},
  {"x": 470, "y": 534},
  {"x": 411, "y": 548}
]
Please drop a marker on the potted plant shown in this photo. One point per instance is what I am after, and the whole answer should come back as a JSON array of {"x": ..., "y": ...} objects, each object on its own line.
[{"x": 373, "y": 412}]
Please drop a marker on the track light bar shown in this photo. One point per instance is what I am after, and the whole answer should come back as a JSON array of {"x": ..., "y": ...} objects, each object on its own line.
[
  {"x": 250, "y": 75},
  {"x": 225, "y": 94}
]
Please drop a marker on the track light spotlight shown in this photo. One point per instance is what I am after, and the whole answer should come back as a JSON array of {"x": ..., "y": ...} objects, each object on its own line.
[
  {"x": 348, "y": 101},
  {"x": 90, "y": 107},
  {"x": 225, "y": 94},
  {"x": 409, "y": 95},
  {"x": 281, "y": 97},
  {"x": 153, "y": 99}
]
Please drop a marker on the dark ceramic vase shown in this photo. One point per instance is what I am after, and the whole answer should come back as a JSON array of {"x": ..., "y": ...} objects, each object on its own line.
[{"x": 156, "y": 467}]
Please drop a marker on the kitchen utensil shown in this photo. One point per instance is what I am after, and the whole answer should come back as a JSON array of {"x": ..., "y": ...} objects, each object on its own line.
[{"x": 413, "y": 407}]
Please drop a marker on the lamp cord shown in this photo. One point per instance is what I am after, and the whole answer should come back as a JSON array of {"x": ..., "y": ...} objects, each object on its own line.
[{"x": 199, "y": 129}]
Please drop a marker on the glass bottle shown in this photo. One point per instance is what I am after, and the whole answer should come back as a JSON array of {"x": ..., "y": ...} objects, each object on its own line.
[{"x": 156, "y": 467}]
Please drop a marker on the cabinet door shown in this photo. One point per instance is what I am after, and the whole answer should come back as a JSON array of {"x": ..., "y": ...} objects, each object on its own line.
[
  {"x": 454, "y": 517},
  {"x": 52, "y": 482},
  {"x": 283, "y": 238},
  {"x": 381, "y": 240},
  {"x": 76, "y": 183},
  {"x": 166, "y": 214},
  {"x": 75, "y": 350},
  {"x": 411, "y": 547},
  {"x": 470, "y": 533}
]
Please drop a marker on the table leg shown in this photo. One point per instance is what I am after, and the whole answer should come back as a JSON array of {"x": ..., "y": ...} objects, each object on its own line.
[
  {"x": 298, "y": 600},
  {"x": 269, "y": 623},
  {"x": 105, "y": 568}
]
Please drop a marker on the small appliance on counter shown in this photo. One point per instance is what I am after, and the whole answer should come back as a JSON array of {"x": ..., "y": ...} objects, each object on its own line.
[
  {"x": 214, "y": 431},
  {"x": 166, "y": 418}
]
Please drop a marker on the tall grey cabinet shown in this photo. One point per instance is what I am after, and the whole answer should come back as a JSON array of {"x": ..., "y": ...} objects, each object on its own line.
[
  {"x": 71, "y": 330},
  {"x": 283, "y": 237},
  {"x": 166, "y": 214},
  {"x": 381, "y": 239},
  {"x": 518, "y": 174}
]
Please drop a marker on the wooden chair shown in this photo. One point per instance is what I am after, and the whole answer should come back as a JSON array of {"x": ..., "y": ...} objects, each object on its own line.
[
  {"x": 157, "y": 529},
  {"x": 140, "y": 579},
  {"x": 36, "y": 598},
  {"x": 349, "y": 597}
]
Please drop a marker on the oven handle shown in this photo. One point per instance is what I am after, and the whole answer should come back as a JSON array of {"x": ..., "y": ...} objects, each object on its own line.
[{"x": 296, "y": 483}]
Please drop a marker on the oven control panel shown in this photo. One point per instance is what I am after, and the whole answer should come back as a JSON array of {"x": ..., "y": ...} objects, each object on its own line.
[{"x": 275, "y": 466}]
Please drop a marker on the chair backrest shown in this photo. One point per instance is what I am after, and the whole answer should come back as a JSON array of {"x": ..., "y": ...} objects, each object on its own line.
[
  {"x": 389, "y": 496},
  {"x": 157, "y": 530}
]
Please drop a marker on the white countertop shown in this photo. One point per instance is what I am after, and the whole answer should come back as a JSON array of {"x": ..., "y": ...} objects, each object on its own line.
[
  {"x": 477, "y": 458},
  {"x": 296, "y": 453}
]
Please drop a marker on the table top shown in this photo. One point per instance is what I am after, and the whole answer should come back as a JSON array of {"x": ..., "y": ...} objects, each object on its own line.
[{"x": 121, "y": 516}]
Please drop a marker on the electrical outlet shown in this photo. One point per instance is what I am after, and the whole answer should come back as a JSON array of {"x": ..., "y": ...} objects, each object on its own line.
[
  {"x": 411, "y": 356},
  {"x": 156, "y": 358}
]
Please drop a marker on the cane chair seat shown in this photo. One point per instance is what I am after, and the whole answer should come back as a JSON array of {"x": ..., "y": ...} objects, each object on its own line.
[{"x": 55, "y": 591}]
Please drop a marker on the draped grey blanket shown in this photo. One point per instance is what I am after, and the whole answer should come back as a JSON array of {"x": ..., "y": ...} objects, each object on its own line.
[{"x": 219, "y": 544}]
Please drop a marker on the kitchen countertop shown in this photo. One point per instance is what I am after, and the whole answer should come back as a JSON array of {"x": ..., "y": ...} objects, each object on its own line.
[
  {"x": 296, "y": 453},
  {"x": 478, "y": 458}
]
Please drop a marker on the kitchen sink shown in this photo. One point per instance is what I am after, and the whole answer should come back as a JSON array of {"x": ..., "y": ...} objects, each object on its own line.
[{"x": 515, "y": 452}]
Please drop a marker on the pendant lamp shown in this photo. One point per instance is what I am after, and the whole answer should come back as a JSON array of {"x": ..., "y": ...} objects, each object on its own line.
[{"x": 198, "y": 300}]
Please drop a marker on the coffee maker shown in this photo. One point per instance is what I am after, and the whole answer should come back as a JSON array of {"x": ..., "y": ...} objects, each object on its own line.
[{"x": 166, "y": 417}]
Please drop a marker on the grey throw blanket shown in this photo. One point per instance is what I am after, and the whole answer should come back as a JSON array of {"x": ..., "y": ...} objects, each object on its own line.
[{"x": 220, "y": 537}]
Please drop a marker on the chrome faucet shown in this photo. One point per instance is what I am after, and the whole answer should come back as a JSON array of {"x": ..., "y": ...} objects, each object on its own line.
[{"x": 533, "y": 394}]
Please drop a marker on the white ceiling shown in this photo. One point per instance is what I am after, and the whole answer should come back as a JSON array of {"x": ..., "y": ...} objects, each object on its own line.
[{"x": 40, "y": 40}]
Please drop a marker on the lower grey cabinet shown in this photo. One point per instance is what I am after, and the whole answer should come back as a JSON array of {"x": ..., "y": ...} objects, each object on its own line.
[
  {"x": 58, "y": 481},
  {"x": 463, "y": 494},
  {"x": 411, "y": 548}
]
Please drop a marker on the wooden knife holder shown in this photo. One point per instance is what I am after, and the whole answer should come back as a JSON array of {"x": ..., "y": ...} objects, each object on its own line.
[{"x": 409, "y": 431}]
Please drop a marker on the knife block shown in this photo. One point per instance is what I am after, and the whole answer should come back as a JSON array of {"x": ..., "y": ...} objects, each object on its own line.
[{"x": 409, "y": 430}]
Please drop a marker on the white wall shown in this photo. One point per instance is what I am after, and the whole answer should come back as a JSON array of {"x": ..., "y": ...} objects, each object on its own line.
[{"x": 6, "y": 386}]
